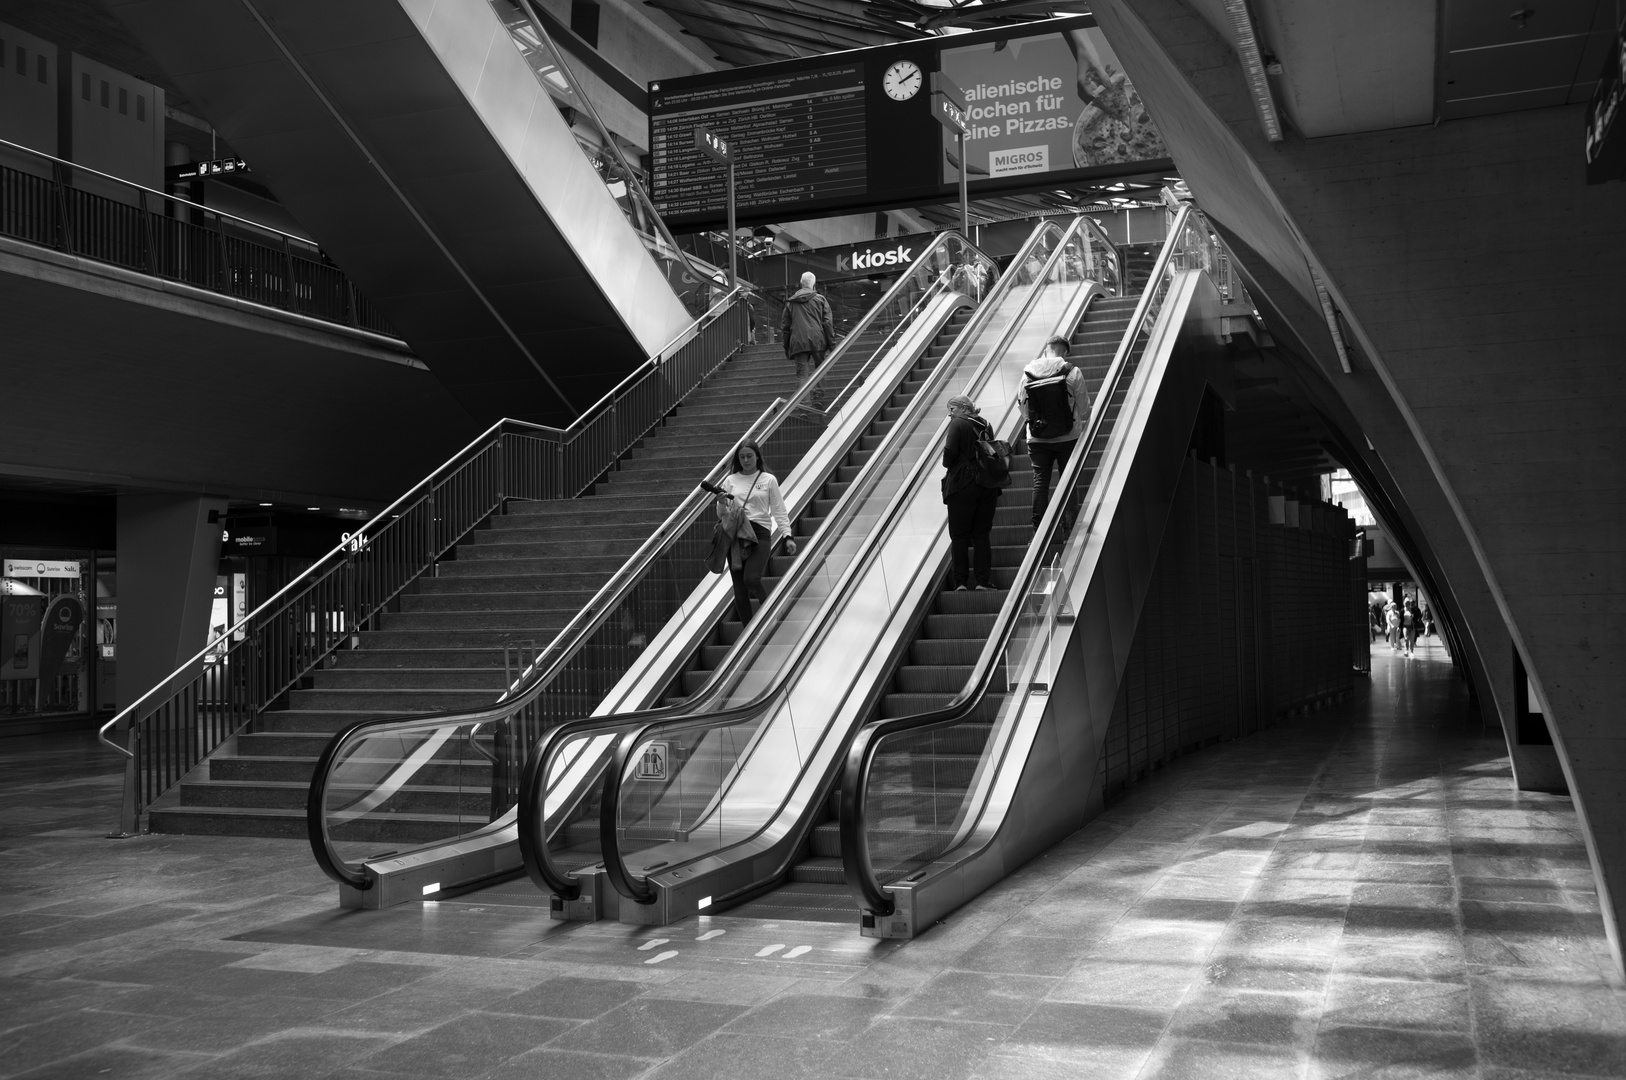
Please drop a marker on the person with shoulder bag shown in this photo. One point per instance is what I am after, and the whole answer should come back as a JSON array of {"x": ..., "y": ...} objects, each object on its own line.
[
  {"x": 971, "y": 502},
  {"x": 751, "y": 512},
  {"x": 1055, "y": 404}
]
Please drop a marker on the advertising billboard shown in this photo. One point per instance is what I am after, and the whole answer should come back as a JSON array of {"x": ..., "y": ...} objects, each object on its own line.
[
  {"x": 1051, "y": 102},
  {"x": 1047, "y": 102}
]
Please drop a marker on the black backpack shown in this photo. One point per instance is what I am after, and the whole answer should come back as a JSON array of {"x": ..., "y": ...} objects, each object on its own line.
[
  {"x": 1050, "y": 406},
  {"x": 993, "y": 458}
]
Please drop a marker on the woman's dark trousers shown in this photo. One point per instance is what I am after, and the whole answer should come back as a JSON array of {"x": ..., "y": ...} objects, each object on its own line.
[
  {"x": 748, "y": 578},
  {"x": 971, "y": 522}
]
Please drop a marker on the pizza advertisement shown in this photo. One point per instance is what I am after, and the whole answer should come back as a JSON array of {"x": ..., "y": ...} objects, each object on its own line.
[{"x": 1051, "y": 102}]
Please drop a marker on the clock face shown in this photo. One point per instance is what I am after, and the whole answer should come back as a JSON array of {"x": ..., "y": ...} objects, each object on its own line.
[{"x": 902, "y": 80}]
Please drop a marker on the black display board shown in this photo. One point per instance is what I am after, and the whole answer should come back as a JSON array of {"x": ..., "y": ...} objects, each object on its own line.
[{"x": 1048, "y": 105}]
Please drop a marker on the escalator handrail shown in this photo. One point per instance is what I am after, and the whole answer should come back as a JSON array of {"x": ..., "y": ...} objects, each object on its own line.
[
  {"x": 856, "y": 863},
  {"x": 535, "y": 679},
  {"x": 615, "y": 865}
]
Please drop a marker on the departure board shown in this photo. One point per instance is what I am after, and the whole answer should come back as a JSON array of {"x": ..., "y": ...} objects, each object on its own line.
[{"x": 799, "y": 137}]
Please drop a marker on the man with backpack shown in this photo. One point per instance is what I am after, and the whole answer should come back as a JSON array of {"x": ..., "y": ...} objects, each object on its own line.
[{"x": 1055, "y": 404}]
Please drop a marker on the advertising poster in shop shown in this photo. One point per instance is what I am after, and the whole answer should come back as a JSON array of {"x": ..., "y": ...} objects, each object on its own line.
[{"x": 1052, "y": 102}]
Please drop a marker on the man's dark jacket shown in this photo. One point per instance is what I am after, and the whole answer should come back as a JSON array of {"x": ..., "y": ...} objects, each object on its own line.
[{"x": 807, "y": 326}]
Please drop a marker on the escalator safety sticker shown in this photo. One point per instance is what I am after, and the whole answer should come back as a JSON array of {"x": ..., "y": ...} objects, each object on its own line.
[
  {"x": 709, "y": 934},
  {"x": 770, "y": 950},
  {"x": 653, "y": 943},
  {"x": 658, "y": 957},
  {"x": 652, "y": 763}
]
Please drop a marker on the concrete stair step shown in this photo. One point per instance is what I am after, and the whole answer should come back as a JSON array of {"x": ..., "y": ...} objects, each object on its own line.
[
  {"x": 406, "y": 700},
  {"x": 481, "y": 678}
]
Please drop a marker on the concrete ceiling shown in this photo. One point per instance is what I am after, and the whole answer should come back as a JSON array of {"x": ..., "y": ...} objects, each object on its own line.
[{"x": 1387, "y": 64}]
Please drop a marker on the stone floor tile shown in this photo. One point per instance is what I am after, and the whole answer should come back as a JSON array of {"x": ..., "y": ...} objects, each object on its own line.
[
  {"x": 1387, "y": 1054},
  {"x": 973, "y": 995},
  {"x": 1421, "y": 1004},
  {"x": 649, "y": 1027},
  {"x": 467, "y": 1045},
  {"x": 911, "y": 1048},
  {"x": 1017, "y": 954},
  {"x": 119, "y": 1063},
  {"x": 1218, "y": 1014},
  {"x": 1198, "y": 1059},
  {"x": 812, "y": 1016},
  {"x": 1129, "y": 983},
  {"x": 569, "y": 998},
  {"x": 735, "y": 1056},
  {"x": 549, "y": 1063},
  {"x": 1530, "y": 1020}
]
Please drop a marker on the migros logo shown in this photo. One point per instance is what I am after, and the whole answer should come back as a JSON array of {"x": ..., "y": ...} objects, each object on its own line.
[{"x": 901, "y": 255}]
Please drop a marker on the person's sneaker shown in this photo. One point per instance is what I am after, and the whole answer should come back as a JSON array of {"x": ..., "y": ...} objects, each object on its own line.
[
  {"x": 982, "y": 588},
  {"x": 959, "y": 588}
]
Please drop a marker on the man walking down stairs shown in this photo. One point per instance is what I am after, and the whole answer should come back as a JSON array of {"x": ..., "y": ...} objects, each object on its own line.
[{"x": 517, "y": 579}]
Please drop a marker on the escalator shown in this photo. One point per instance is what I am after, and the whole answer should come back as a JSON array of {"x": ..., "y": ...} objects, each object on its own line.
[
  {"x": 928, "y": 806},
  {"x": 560, "y": 795},
  {"x": 701, "y": 807},
  {"x": 636, "y": 636},
  {"x": 941, "y": 656},
  {"x": 939, "y": 804}
]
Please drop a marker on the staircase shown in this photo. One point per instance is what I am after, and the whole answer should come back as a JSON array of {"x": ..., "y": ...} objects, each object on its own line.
[
  {"x": 519, "y": 578},
  {"x": 939, "y": 663}
]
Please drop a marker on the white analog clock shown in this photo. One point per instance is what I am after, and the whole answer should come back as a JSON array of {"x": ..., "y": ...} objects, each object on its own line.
[{"x": 902, "y": 80}]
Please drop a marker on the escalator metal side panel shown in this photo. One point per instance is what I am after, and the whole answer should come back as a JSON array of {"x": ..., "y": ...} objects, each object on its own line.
[
  {"x": 679, "y": 890},
  {"x": 1045, "y": 784},
  {"x": 494, "y": 851}
]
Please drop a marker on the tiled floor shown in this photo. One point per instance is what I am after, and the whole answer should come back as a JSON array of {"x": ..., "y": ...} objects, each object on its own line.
[{"x": 1358, "y": 893}]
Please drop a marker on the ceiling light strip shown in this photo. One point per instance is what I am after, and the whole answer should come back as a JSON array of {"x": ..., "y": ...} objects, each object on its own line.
[{"x": 1253, "y": 66}]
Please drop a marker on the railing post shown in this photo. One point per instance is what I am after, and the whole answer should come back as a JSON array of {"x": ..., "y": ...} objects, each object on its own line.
[
  {"x": 64, "y": 229},
  {"x": 288, "y": 276},
  {"x": 225, "y": 260},
  {"x": 129, "y": 809}
]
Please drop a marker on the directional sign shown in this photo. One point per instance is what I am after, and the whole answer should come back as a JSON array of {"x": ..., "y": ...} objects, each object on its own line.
[
  {"x": 713, "y": 145},
  {"x": 948, "y": 114}
]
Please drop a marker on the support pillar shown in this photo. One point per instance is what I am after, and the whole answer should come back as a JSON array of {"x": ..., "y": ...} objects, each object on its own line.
[{"x": 168, "y": 556}]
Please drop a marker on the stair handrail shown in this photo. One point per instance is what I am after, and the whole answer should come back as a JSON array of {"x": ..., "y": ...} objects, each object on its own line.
[
  {"x": 641, "y": 724},
  {"x": 1196, "y": 244},
  {"x": 534, "y": 680},
  {"x": 354, "y": 581}
]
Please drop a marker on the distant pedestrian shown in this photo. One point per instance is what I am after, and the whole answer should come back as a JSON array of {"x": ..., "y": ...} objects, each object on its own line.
[
  {"x": 1428, "y": 620},
  {"x": 1410, "y": 618},
  {"x": 755, "y": 491},
  {"x": 1391, "y": 622},
  {"x": 971, "y": 506},
  {"x": 1055, "y": 403},
  {"x": 808, "y": 330}
]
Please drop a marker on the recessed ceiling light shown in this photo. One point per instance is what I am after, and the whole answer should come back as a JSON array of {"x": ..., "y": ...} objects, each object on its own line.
[
  {"x": 313, "y": 507},
  {"x": 265, "y": 504}
]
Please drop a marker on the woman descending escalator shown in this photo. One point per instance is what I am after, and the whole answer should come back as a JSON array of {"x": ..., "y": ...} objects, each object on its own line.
[{"x": 753, "y": 513}]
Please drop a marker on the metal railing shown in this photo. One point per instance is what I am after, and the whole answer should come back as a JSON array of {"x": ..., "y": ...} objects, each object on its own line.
[
  {"x": 176, "y": 239},
  {"x": 600, "y": 643},
  {"x": 912, "y": 785},
  {"x": 179, "y": 722}
]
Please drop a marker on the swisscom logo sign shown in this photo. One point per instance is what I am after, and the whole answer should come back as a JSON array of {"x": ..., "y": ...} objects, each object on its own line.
[{"x": 902, "y": 255}]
